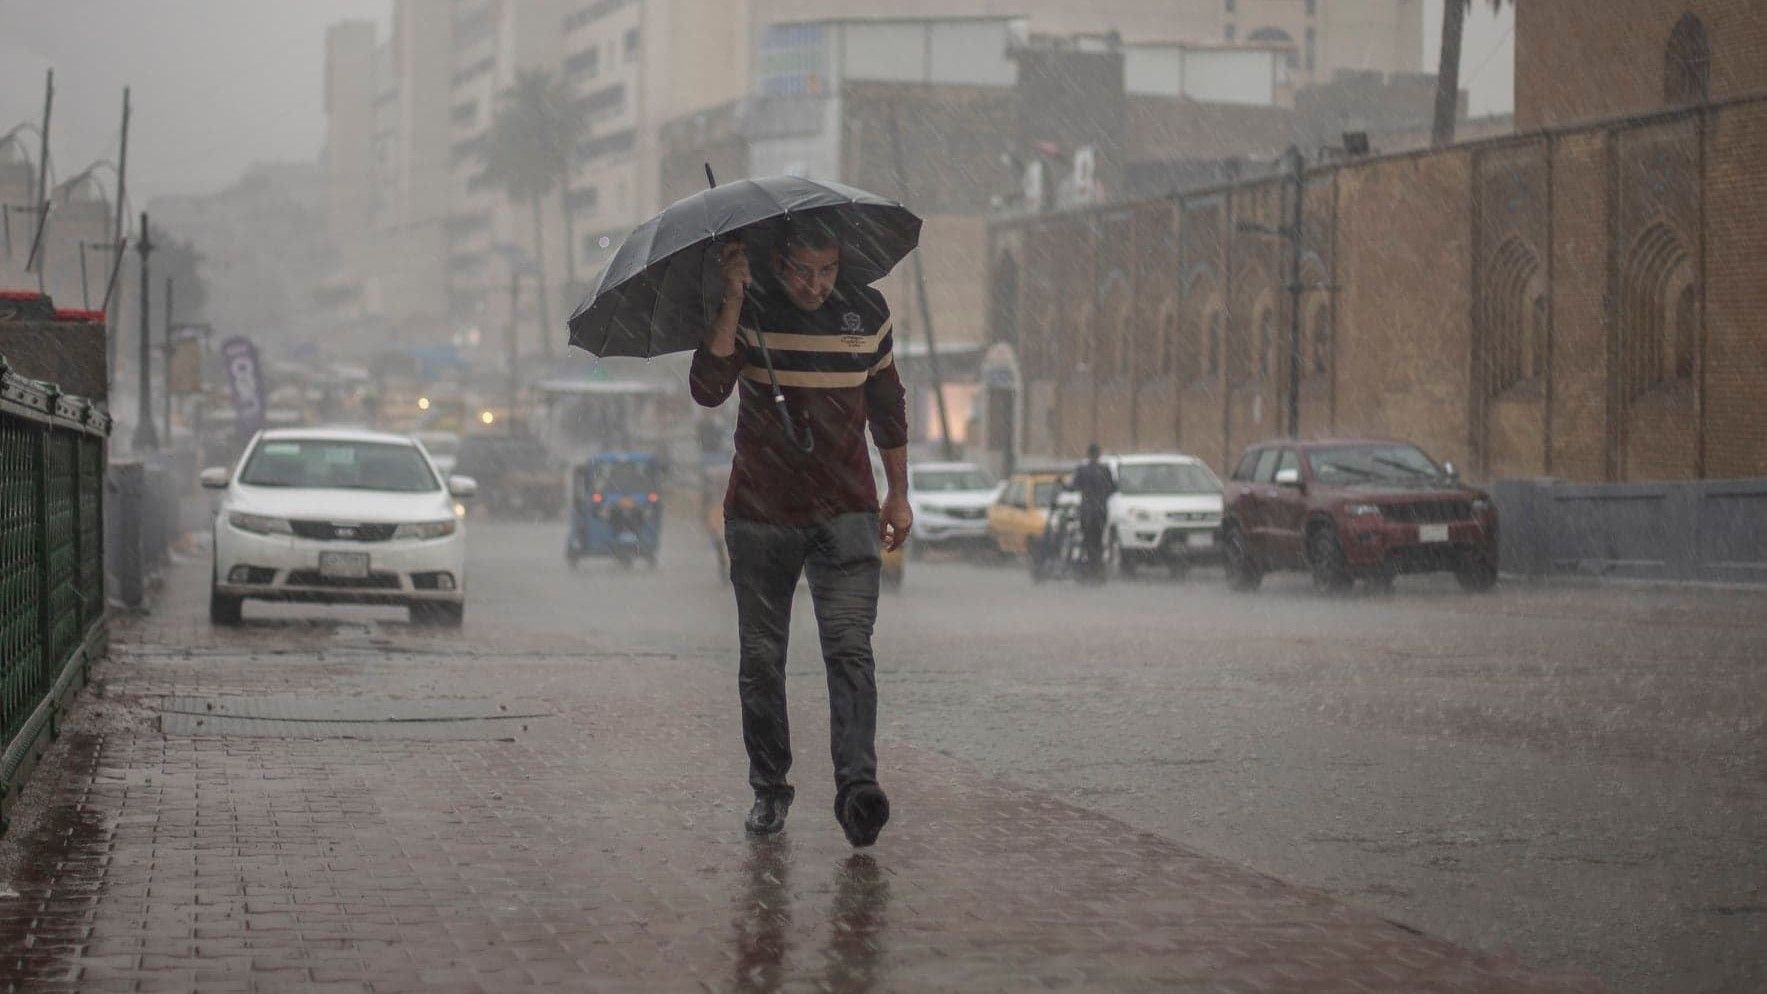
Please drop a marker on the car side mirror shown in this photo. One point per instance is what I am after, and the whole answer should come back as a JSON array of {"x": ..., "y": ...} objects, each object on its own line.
[
  {"x": 214, "y": 478},
  {"x": 1290, "y": 477},
  {"x": 1452, "y": 470},
  {"x": 463, "y": 487}
]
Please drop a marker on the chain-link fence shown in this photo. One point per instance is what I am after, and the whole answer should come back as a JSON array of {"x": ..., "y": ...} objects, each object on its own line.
[{"x": 52, "y": 604}]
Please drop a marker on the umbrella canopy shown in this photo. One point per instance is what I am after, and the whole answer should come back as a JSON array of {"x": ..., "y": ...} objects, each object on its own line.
[{"x": 663, "y": 286}]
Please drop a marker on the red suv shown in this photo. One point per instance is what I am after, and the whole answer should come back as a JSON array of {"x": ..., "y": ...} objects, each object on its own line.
[{"x": 1353, "y": 508}]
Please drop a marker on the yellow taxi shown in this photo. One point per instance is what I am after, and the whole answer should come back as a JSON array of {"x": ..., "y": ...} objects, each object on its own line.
[{"x": 1021, "y": 508}]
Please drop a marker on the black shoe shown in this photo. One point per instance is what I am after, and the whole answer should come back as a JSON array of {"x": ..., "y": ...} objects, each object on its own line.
[
  {"x": 862, "y": 811},
  {"x": 767, "y": 817}
]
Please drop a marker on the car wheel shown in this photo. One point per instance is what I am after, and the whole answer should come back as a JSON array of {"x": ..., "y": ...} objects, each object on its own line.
[
  {"x": 1330, "y": 574},
  {"x": 1476, "y": 574},
  {"x": 223, "y": 609},
  {"x": 1243, "y": 573}
]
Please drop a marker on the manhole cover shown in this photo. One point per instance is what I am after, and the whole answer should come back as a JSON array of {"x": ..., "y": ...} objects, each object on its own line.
[{"x": 307, "y": 717}]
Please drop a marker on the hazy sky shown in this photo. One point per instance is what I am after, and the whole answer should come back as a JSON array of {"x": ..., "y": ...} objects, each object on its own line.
[{"x": 220, "y": 84}]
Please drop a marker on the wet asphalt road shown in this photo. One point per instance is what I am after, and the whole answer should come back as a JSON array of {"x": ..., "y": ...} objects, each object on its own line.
[{"x": 1577, "y": 774}]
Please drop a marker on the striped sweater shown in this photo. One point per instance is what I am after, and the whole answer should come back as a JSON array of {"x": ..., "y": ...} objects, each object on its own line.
[{"x": 837, "y": 370}]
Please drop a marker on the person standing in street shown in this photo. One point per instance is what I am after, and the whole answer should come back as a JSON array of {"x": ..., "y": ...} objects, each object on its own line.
[
  {"x": 1095, "y": 484},
  {"x": 802, "y": 501}
]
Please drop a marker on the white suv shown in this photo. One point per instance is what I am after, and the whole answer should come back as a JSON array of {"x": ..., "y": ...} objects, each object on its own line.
[
  {"x": 1167, "y": 510},
  {"x": 339, "y": 516},
  {"x": 950, "y": 502}
]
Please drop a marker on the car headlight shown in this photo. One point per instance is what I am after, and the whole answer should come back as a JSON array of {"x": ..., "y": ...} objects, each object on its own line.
[
  {"x": 1481, "y": 506},
  {"x": 1362, "y": 510},
  {"x": 425, "y": 529},
  {"x": 259, "y": 524}
]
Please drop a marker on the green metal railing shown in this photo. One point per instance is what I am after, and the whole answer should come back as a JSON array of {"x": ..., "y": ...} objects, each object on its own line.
[{"x": 52, "y": 607}]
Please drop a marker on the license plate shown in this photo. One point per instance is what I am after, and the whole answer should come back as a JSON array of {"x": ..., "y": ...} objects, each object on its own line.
[
  {"x": 343, "y": 565},
  {"x": 1200, "y": 540},
  {"x": 1432, "y": 533}
]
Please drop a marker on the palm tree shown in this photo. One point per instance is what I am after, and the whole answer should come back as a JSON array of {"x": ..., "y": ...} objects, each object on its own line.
[
  {"x": 1448, "y": 74},
  {"x": 528, "y": 153}
]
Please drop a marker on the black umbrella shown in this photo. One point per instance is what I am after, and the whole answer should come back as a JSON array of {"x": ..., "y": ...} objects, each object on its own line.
[{"x": 663, "y": 286}]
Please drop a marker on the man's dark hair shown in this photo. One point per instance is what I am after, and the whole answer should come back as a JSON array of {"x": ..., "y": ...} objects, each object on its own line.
[
  {"x": 1093, "y": 451},
  {"x": 810, "y": 233}
]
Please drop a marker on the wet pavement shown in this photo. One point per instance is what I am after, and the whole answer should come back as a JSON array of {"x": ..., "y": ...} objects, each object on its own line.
[{"x": 1085, "y": 798}]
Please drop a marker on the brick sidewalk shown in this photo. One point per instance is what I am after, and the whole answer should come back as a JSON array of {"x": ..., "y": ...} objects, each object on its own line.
[{"x": 600, "y": 849}]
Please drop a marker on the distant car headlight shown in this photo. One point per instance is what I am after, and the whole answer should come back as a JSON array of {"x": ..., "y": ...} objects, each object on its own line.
[
  {"x": 1481, "y": 506},
  {"x": 425, "y": 529},
  {"x": 1362, "y": 510},
  {"x": 259, "y": 524}
]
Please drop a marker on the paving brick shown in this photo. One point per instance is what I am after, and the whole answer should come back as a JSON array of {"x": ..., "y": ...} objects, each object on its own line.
[{"x": 604, "y": 851}]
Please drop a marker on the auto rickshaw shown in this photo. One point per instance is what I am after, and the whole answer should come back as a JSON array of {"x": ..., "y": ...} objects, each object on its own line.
[{"x": 616, "y": 508}]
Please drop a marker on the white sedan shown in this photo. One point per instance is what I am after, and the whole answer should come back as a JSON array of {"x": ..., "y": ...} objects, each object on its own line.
[
  {"x": 950, "y": 502},
  {"x": 1167, "y": 511},
  {"x": 339, "y": 516}
]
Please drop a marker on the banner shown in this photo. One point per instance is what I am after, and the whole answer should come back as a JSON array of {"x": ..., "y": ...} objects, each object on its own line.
[
  {"x": 184, "y": 370},
  {"x": 245, "y": 378}
]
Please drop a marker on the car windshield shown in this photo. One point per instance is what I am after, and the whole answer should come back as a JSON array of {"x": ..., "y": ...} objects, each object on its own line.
[
  {"x": 338, "y": 464},
  {"x": 1372, "y": 464},
  {"x": 935, "y": 481},
  {"x": 1044, "y": 492},
  {"x": 1166, "y": 478},
  {"x": 623, "y": 477}
]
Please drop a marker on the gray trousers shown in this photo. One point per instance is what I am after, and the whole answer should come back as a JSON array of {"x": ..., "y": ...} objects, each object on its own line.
[{"x": 843, "y": 561}]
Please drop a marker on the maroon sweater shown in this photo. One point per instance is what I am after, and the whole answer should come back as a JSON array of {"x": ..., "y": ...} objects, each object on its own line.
[{"x": 838, "y": 373}]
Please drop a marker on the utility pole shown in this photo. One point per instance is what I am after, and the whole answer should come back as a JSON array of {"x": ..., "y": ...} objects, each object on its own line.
[
  {"x": 926, "y": 311},
  {"x": 116, "y": 262},
  {"x": 145, "y": 440},
  {"x": 166, "y": 362},
  {"x": 1298, "y": 179},
  {"x": 1294, "y": 232},
  {"x": 514, "y": 348},
  {"x": 34, "y": 264}
]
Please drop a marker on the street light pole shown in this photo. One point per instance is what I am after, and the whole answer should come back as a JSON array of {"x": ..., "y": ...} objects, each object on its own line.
[
  {"x": 514, "y": 347},
  {"x": 146, "y": 439},
  {"x": 166, "y": 362},
  {"x": 1298, "y": 178}
]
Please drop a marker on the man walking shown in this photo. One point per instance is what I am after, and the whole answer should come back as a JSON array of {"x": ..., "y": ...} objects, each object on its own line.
[
  {"x": 1095, "y": 484},
  {"x": 801, "y": 501}
]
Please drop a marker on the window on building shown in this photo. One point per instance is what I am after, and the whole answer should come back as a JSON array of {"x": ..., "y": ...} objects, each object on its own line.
[
  {"x": 1230, "y": 5},
  {"x": 1266, "y": 342},
  {"x": 1312, "y": 8},
  {"x": 631, "y": 44},
  {"x": 1687, "y": 64},
  {"x": 1686, "y": 332},
  {"x": 1230, "y": 31},
  {"x": 585, "y": 64},
  {"x": 1321, "y": 325},
  {"x": 1312, "y": 49},
  {"x": 1659, "y": 314},
  {"x": 1212, "y": 343}
]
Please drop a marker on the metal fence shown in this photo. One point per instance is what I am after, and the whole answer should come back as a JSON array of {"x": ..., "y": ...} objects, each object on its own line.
[
  {"x": 1711, "y": 531},
  {"x": 52, "y": 605}
]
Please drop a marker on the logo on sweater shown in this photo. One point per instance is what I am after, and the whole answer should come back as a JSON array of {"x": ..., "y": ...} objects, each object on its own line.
[{"x": 851, "y": 321}]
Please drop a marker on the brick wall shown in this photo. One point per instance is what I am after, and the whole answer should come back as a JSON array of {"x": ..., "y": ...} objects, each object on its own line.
[
  {"x": 1577, "y": 60},
  {"x": 1585, "y": 303}
]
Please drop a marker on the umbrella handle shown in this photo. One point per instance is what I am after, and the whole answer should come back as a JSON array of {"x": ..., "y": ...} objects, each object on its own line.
[{"x": 806, "y": 441}]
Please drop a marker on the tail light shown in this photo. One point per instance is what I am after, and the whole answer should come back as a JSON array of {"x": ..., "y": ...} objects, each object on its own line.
[{"x": 653, "y": 498}]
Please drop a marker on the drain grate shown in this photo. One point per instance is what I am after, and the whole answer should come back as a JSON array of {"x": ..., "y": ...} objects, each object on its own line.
[{"x": 308, "y": 717}]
